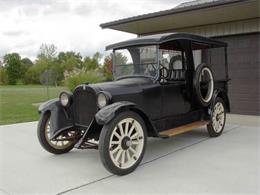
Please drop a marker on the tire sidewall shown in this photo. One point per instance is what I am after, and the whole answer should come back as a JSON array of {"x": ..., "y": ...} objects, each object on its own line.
[
  {"x": 196, "y": 85},
  {"x": 42, "y": 137},
  {"x": 210, "y": 127},
  {"x": 104, "y": 140}
]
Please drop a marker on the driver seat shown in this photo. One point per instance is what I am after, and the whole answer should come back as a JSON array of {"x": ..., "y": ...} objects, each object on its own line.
[
  {"x": 176, "y": 71},
  {"x": 176, "y": 75}
]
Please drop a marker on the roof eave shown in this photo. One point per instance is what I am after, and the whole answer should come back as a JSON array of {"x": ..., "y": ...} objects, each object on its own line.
[{"x": 169, "y": 12}]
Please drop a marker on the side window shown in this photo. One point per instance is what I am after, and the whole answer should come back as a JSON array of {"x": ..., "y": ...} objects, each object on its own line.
[
  {"x": 172, "y": 64},
  {"x": 214, "y": 57},
  {"x": 197, "y": 57},
  {"x": 198, "y": 51},
  {"x": 172, "y": 59}
]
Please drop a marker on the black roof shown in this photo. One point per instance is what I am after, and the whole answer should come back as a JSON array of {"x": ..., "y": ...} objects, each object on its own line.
[{"x": 158, "y": 39}]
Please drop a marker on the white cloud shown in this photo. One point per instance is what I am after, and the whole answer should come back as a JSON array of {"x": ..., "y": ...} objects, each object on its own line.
[{"x": 69, "y": 24}]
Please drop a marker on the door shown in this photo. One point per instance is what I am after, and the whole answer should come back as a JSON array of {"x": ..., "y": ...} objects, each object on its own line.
[
  {"x": 174, "y": 101},
  {"x": 244, "y": 71},
  {"x": 174, "y": 85}
]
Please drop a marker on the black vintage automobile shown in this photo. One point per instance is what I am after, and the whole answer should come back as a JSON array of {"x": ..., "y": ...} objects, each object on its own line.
[{"x": 164, "y": 85}]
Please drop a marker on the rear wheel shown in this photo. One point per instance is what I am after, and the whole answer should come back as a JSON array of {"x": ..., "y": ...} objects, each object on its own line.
[
  {"x": 62, "y": 144},
  {"x": 218, "y": 118},
  {"x": 122, "y": 143}
]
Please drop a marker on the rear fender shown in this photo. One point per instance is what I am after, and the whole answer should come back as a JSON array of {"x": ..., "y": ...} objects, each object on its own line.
[
  {"x": 60, "y": 116},
  {"x": 222, "y": 94},
  {"x": 108, "y": 113}
]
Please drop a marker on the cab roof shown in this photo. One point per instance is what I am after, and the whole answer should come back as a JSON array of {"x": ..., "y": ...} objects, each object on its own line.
[{"x": 158, "y": 39}]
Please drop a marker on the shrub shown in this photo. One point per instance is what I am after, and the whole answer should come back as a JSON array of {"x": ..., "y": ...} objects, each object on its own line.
[
  {"x": 80, "y": 77},
  {"x": 32, "y": 76},
  {"x": 3, "y": 76},
  {"x": 107, "y": 68}
]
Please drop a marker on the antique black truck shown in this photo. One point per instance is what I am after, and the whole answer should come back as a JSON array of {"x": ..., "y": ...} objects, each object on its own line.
[{"x": 164, "y": 85}]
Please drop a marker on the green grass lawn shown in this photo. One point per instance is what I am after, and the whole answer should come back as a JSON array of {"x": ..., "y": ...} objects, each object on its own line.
[{"x": 17, "y": 103}]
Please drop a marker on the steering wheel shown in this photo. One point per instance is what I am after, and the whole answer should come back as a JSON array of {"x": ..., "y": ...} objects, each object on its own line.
[
  {"x": 151, "y": 69},
  {"x": 164, "y": 72}
]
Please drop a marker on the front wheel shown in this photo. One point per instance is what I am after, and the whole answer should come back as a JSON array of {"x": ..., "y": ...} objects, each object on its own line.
[
  {"x": 218, "y": 118},
  {"x": 122, "y": 143},
  {"x": 62, "y": 144}
]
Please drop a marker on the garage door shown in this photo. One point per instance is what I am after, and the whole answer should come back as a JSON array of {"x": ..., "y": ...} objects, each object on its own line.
[{"x": 244, "y": 63}]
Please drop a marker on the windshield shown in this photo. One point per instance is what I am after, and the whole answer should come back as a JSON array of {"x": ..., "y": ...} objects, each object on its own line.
[{"x": 136, "y": 61}]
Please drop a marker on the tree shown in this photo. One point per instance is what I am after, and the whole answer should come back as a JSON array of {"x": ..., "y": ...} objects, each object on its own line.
[
  {"x": 33, "y": 74},
  {"x": 47, "y": 51},
  {"x": 3, "y": 76},
  {"x": 26, "y": 63},
  {"x": 120, "y": 59},
  {"x": 92, "y": 63},
  {"x": 12, "y": 63},
  {"x": 47, "y": 60},
  {"x": 108, "y": 67},
  {"x": 69, "y": 60}
]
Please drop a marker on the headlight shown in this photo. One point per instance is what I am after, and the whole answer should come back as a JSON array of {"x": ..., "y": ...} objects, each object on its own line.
[
  {"x": 103, "y": 98},
  {"x": 65, "y": 98}
]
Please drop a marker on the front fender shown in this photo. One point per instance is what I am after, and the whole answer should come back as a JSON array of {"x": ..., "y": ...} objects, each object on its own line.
[
  {"x": 108, "y": 113},
  {"x": 61, "y": 119},
  {"x": 48, "y": 106}
]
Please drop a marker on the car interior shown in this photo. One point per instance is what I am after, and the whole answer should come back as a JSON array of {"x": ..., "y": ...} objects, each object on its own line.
[
  {"x": 172, "y": 66},
  {"x": 172, "y": 63}
]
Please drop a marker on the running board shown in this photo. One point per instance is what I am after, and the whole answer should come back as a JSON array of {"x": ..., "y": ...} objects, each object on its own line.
[{"x": 182, "y": 129}]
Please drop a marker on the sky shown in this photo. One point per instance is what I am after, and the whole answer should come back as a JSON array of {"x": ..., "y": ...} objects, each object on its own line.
[{"x": 71, "y": 25}]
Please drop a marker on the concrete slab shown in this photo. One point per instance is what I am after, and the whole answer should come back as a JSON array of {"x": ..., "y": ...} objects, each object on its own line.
[
  {"x": 188, "y": 163},
  {"x": 245, "y": 120}
]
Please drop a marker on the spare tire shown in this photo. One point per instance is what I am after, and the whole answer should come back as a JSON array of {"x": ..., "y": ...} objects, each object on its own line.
[{"x": 203, "y": 84}]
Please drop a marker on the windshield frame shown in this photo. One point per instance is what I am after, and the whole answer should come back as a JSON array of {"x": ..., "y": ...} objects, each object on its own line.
[{"x": 155, "y": 78}]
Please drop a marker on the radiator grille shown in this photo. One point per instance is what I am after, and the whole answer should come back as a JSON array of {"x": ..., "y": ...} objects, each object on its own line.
[{"x": 85, "y": 106}]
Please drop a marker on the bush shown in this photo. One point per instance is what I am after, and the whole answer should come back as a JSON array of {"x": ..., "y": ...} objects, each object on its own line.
[
  {"x": 3, "y": 76},
  {"x": 108, "y": 68},
  {"x": 74, "y": 80},
  {"x": 32, "y": 76}
]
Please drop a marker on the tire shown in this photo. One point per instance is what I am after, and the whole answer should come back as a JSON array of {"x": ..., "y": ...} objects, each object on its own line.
[
  {"x": 46, "y": 143},
  {"x": 218, "y": 118},
  {"x": 203, "y": 101},
  {"x": 122, "y": 153}
]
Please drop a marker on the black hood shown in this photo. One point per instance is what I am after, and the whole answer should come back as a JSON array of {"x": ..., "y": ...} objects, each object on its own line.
[{"x": 124, "y": 86}]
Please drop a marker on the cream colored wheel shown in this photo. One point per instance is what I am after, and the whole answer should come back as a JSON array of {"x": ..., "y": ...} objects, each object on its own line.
[
  {"x": 122, "y": 143},
  {"x": 218, "y": 118},
  {"x": 126, "y": 143},
  {"x": 62, "y": 144}
]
